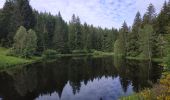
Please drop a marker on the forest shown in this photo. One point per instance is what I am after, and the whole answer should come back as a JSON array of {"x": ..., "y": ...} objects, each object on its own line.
[
  {"x": 28, "y": 36},
  {"x": 29, "y": 32}
]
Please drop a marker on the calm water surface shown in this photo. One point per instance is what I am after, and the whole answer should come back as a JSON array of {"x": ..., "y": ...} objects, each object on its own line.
[{"x": 78, "y": 78}]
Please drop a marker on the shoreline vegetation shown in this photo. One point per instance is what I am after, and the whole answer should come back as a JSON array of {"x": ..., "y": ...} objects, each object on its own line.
[{"x": 7, "y": 61}]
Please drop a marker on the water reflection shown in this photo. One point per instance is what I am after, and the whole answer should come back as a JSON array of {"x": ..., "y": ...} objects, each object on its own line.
[
  {"x": 83, "y": 78},
  {"x": 104, "y": 88}
]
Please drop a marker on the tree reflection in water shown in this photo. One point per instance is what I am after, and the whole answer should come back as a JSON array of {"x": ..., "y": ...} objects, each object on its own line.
[{"x": 77, "y": 78}]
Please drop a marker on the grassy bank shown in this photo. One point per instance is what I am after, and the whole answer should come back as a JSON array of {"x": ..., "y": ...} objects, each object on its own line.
[{"x": 7, "y": 61}]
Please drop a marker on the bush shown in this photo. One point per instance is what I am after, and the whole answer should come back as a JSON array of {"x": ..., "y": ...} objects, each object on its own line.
[
  {"x": 49, "y": 54},
  {"x": 12, "y": 52},
  {"x": 167, "y": 61},
  {"x": 79, "y": 51}
]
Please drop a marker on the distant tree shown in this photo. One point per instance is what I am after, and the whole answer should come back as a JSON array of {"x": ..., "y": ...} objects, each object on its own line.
[
  {"x": 26, "y": 12},
  {"x": 146, "y": 41},
  {"x": 50, "y": 22},
  {"x": 19, "y": 41},
  {"x": 119, "y": 48},
  {"x": 167, "y": 40},
  {"x": 30, "y": 44},
  {"x": 75, "y": 34},
  {"x": 72, "y": 33},
  {"x": 120, "y": 45},
  {"x": 15, "y": 13},
  {"x": 79, "y": 35},
  {"x": 150, "y": 15},
  {"x": 86, "y": 37},
  {"x": 163, "y": 19},
  {"x": 108, "y": 40},
  {"x": 123, "y": 35},
  {"x": 133, "y": 37},
  {"x": 25, "y": 44},
  {"x": 60, "y": 39},
  {"x": 5, "y": 22}
]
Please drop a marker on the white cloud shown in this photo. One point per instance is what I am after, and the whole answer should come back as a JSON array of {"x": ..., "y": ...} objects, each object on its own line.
[
  {"x": 104, "y": 13},
  {"x": 1, "y": 3}
]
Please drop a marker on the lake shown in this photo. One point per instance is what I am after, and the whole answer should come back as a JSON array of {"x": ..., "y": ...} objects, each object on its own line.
[{"x": 78, "y": 78}]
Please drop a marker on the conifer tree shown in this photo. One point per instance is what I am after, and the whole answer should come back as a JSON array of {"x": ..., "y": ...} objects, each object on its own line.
[{"x": 133, "y": 37}]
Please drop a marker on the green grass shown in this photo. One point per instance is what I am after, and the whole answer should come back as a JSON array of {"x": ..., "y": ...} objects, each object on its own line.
[
  {"x": 140, "y": 58},
  {"x": 7, "y": 61}
]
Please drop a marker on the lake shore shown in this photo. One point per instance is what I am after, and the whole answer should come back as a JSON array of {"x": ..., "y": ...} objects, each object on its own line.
[{"x": 9, "y": 61}]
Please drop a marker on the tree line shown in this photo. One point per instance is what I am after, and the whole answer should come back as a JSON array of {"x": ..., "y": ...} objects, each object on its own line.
[
  {"x": 52, "y": 31},
  {"x": 147, "y": 37}
]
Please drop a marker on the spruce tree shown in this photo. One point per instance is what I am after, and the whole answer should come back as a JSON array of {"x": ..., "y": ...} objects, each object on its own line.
[
  {"x": 60, "y": 38},
  {"x": 26, "y": 12},
  {"x": 146, "y": 41},
  {"x": 150, "y": 15},
  {"x": 133, "y": 37}
]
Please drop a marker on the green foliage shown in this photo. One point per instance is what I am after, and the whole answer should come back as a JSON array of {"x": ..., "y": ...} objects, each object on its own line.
[
  {"x": 52, "y": 32},
  {"x": 24, "y": 43},
  {"x": 15, "y": 13},
  {"x": 119, "y": 48},
  {"x": 80, "y": 51},
  {"x": 167, "y": 61},
  {"x": 150, "y": 15},
  {"x": 7, "y": 61},
  {"x": 146, "y": 41},
  {"x": 167, "y": 58},
  {"x": 133, "y": 37},
  {"x": 19, "y": 41},
  {"x": 75, "y": 34},
  {"x": 163, "y": 19},
  {"x": 60, "y": 39},
  {"x": 30, "y": 44},
  {"x": 49, "y": 54}
]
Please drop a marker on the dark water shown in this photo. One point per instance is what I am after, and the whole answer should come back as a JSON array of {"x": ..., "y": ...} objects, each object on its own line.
[{"x": 82, "y": 78}]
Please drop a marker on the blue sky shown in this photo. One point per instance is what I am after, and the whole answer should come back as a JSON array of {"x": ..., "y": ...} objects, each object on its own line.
[{"x": 104, "y": 13}]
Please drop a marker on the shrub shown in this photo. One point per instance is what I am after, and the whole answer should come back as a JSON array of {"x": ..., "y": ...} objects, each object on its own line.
[
  {"x": 49, "y": 54},
  {"x": 167, "y": 61},
  {"x": 79, "y": 51}
]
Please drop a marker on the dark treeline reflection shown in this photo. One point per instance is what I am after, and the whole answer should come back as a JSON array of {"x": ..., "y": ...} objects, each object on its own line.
[{"x": 47, "y": 78}]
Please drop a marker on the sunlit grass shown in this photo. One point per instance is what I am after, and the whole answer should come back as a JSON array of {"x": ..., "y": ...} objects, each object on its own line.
[{"x": 6, "y": 61}]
